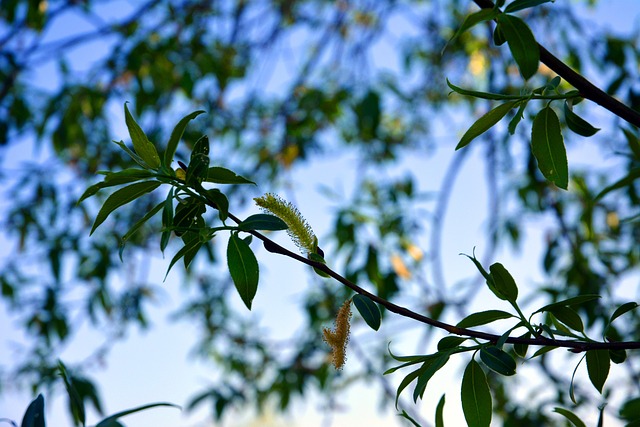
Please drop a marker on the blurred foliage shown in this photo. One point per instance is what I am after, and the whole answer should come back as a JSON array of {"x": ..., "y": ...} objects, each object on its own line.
[{"x": 283, "y": 83}]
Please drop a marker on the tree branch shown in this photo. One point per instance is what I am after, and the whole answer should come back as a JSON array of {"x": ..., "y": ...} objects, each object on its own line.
[
  {"x": 587, "y": 89},
  {"x": 575, "y": 346}
]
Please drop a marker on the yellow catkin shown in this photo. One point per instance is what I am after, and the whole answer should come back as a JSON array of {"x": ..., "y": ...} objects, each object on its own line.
[
  {"x": 299, "y": 230},
  {"x": 338, "y": 338}
]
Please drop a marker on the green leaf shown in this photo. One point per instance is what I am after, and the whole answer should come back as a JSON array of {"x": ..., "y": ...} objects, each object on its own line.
[
  {"x": 440, "y": 412},
  {"x": 34, "y": 415},
  {"x": 122, "y": 197},
  {"x": 517, "y": 5},
  {"x": 449, "y": 342},
  {"x": 476, "y": 94},
  {"x": 186, "y": 215},
  {"x": 617, "y": 356},
  {"x": 263, "y": 222},
  {"x": 406, "y": 416},
  {"x": 485, "y": 123},
  {"x": 543, "y": 350},
  {"x": 624, "y": 308},
  {"x": 243, "y": 268},
  {"x": 515, "y": 121},
  {"x": 474, "y": 19},
  {"x": 131, "y": 154},
  {"x": 568, "y": 316},
  {"x": 219, "y": 201},
  {"x": 505, "y": 286},
  {"x": 576, "y": 123},
  {"x": 522, "y": 44},
  {"x": 141, "y": 144},
  {"x": 76, "y": 404},
  {"x": 318, "y": 258},
  {"x": 476, "y": 396},
  {"x": 630, "y": 410},
  {"x": 521, "y": 349},
  {"x": 176, "y": 135},
  {"x": 109, "y": 421},
  {"x": 548, "y": 147},
  {"x": 167, "y": 220},
  {"x": 201, "y": 146},
  {"x": 406, "y": 381},
  {"x": 483, "y": 317},
  {"x": 581, "y": 299},
  {"x": 197, "y": 169},
  {"x": 498, "y": 36},
  {"x": 621, "y": 183},
  {"x": 190, "y": 247},
  {"x": 632, "y": 142},
  {"x": 598, "y": 364},
  {"x": 368, "y": 114},
  {"x": 368, "y": 310},
  {"x": 220, "y": 175},
  {"x": 137, "y": 226},
  {"x": 573, "y": 418},
  {"x": 116, "y": 178},
  {"x": 428, "y": 373},
  {"x": 498, "y": 360}
]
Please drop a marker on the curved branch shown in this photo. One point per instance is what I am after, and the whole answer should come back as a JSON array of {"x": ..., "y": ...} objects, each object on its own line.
[
  {"x": 575, "y": 346},
  {"x": 587, "y": 89}
]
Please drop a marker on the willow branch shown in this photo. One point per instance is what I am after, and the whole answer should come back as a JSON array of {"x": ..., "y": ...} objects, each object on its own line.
[
  {"x": 576, "y": 346},
  {"x": 587, "y": 89}
]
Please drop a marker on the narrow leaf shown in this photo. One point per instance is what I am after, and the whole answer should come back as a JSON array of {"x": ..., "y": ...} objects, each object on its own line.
[
  {"x": 482, "y": 318},
  {"x": 522, "y": 44},
  {"x": 598, "y": 364},
  {"x": 577, "y": 124},
  {"x": 243, "y": 268},
  {"x": 621, "y": 183},
  {"x": 476, "y": 94},
  {"x": 521, "y": 349},
  {"x": 116, "y": 178},
  {"x": 485, "y": 123},
  {"x": 34, "y": 415},
  {"x": 219, "y": 175},
  {"x": 191, "y": 246},
  {"x": 428, "y": 373},
  {"x": 131, "y": 154},
  {"x": 476, "y": 396},
  {"x": 581, "y": 299},
  {"x": 505, "y": 286},
  {"x": 406, "y": 381},
  {"x": 515, "y": 121},
  {"x": 176, "y": 135},
  {"x": 548, "y": 147},
  {"x": 568, "y": 316},
  {"x": 624, "y": 308},
  {"x": 262, "y": 222},
  {"x": 474, "y": 19},
  {"x": 368, "y": 310},
  {"x": 122, "y": 197},
  {"x": 167, "y": 220},
  {"x": 440, "y": 412},
  {"x": 517, "y": 5},
  {"x": 107, "y": 422},
  {"x": 630, "y": 409},
  {"x": 450, "y": 342},
  {"x": 137, "y": 226},
  {"x": 141, "y": 144},
  {"x": 573, "y": 418},
  {"x": 406, "y": 416},
  {"x": 498, "y": 360},
  {"x": 543, "y": 350}
]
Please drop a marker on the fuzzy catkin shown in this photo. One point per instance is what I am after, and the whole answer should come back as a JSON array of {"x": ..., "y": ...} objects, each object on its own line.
[
  {"x": 338, "y": 338},
  {"x": 299, "y": 230}
]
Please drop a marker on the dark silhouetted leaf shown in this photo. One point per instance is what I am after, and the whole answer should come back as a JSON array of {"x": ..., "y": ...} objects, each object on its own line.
[
  {"x": 522, "y": 43},
  {"x": 243, "y": 268},
  {"x": 482, "y": 318},
  {"x": 141, "y": 144},
  {"x": 262, "y": 222},
  {"x": 109, "y": 421},
  {"x": 505, "y": 286},
  {"x": 498, "y": 360},
  {"x": 573, "y": 418},
  {"x": 577, "y": 124},
  {"x": 220, "y": 175},
  {"x": 476, "y": 396},
  {"x": 598, "y": 364},
  {"x": 34, "y": 415},
  {"x": 517, "y": 5},
  {"x": 176, "y": 135},
  {"x": 485, "y": 123},
  {"x": 368, "y": 310}
]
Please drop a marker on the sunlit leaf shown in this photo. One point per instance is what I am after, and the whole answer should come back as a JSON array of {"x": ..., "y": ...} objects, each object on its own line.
[
  {"x": 548, "y": 147},
  {"x": 368, "y": 310},
  {"x": 243, "y": 268},
  {"x": 476, "y": 396},
  {"x": 141, "y": 144},
  {"x": 176, "y": 135},
  {"x": 122, "y": 197}
]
